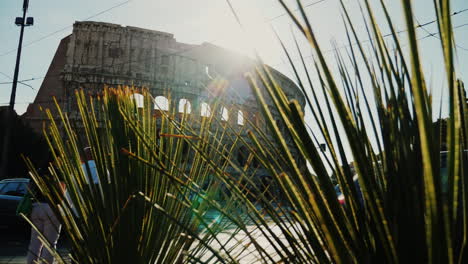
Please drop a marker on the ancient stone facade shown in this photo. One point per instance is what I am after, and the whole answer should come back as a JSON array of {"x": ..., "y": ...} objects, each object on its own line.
[{"x": 98, "y": 54}]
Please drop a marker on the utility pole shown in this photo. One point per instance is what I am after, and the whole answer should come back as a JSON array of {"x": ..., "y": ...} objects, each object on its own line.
[{"x": 9, "y": 114}]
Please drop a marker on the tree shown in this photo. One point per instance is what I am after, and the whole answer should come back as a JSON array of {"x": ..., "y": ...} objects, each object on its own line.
[{"x": 23, "y": 141}]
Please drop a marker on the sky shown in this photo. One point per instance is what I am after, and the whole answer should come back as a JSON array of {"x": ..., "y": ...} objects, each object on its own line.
[{"x": 196, "y": 22}]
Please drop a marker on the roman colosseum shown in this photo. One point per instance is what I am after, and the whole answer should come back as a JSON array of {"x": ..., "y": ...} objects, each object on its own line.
[{"x": 98, "y": 54}]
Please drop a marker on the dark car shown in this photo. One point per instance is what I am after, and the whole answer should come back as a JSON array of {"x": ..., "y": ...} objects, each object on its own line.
[
  {"x": 444, "y": 169},
  {"x": 443, "y": 174},
  {"x": 11, "y": 193},
  {"x": 14, "y": 187}
]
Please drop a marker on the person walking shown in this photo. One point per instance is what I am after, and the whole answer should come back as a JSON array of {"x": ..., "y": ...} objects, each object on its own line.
[
  {"x": 47, "y": 223},
  {"x": 89, "y": 161}
]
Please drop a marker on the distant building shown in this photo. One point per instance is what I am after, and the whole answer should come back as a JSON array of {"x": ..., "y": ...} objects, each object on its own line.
[{"x": 98, "y": 54}]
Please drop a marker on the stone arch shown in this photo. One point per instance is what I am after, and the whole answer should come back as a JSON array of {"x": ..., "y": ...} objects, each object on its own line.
[
  {"x": 242, "y": 155},
  {"x": 205, "y": 110},
  {"x": 224, "y": 114},
  {"x": 161, "y": 103},
  {"x": 240, "y": 118},
  {"x": 139, "y": 99},
  {"x": 185, "y": 106}
]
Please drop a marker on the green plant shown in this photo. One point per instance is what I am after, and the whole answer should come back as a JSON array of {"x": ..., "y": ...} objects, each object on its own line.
[
  {"x": 403, "y": 216},
  {"x": 22, "y": 139},
  {"x": 156, "y": 201}
]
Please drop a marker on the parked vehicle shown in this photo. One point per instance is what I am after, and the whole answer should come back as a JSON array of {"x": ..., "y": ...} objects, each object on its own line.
[
  {"x": 11, "y": 193},
  {"x": 443, "y": 173},
  {"x": 14, "y": 187},
  {"x": 444, "y": 169}
]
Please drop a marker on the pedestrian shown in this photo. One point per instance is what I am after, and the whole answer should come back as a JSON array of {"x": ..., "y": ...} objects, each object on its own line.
[
  {"x": 89, "y": 161},
  {"x": 47, "y": 223}
]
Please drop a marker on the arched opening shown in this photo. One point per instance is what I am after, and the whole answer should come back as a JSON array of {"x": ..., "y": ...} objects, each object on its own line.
[
  {"x": 186, "y": 150},
  {"x": 185, "y": 106},
  {"x": 161, "y": 103},
  {"x": 139, "y": 99},
  {"x": 205, "y": 110},
  {"x": 240, "y": 118},
  {"x": 246, "y": 158},
  {"x": 242, "y": 155},
  {"x": 224, "y": 114}
]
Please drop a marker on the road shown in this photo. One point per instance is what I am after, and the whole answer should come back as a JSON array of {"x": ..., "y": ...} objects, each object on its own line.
[{"x": 14, "y": 244}]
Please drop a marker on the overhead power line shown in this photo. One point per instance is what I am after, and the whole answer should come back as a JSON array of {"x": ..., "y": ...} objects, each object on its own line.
[
  {"x": 297, "y": 9},
  {"x": 427, "y": 23},
  {"x": 429, "y": 34},
  {"x": 67, "y": 27},
  {"x": 107, "y": 10},
  {"x": 398, "y": 32},
  {"x": 111, "y": 8},
  {"x": 180, "y": 52},
  {"x": 194, "y": 47},
  {"x": 419, "y": 26},
  {"x": 21, "y": 82},
  {"x": 175, "y": 53}
]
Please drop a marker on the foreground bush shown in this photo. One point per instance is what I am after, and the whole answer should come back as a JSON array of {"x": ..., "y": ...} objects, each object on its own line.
[
  {"x": 149, "y": 205},
  {"x": 376, "y": 113},
  {"x": 403, "y": 215}
]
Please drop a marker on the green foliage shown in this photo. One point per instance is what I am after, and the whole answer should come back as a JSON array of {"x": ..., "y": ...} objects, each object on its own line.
[
  {"x": 156, "y": 199},
  {"x": 22, "y": 138},
  {"x": 403, "y": 214},
  {"x": 376, "y": 113}
]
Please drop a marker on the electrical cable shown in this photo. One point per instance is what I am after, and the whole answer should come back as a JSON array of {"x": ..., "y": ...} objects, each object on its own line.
[
  {"x": 65, "y": 28},
  {"x": 182, "y": 51},
  {"x": 20, "y": 82},
  {"x": 123, "y": 63},
  {"x": 297, "y": 9},
  {"x": 109, "y": 9},
  {"x": 429, "y": 34},
  {"x": 197, "y": 46},
  {"x": 398, "y": 32}
]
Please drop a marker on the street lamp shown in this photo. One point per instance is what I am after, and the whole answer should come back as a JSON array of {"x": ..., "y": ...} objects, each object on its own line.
[
  {"x": 29, "y": 21},
  {"x": 22, "y": 22}
]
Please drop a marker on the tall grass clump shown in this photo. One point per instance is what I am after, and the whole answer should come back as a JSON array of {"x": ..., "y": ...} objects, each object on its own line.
[
  {"x": 376, "y": 112},
  {"x": 157, "y": 201}
]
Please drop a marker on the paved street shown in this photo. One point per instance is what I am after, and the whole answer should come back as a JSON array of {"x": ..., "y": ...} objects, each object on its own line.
[
  {"x": 13, "y": 247},
  {"x": 13, "y": 251},
  {"x": 13, "y": 244}
]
